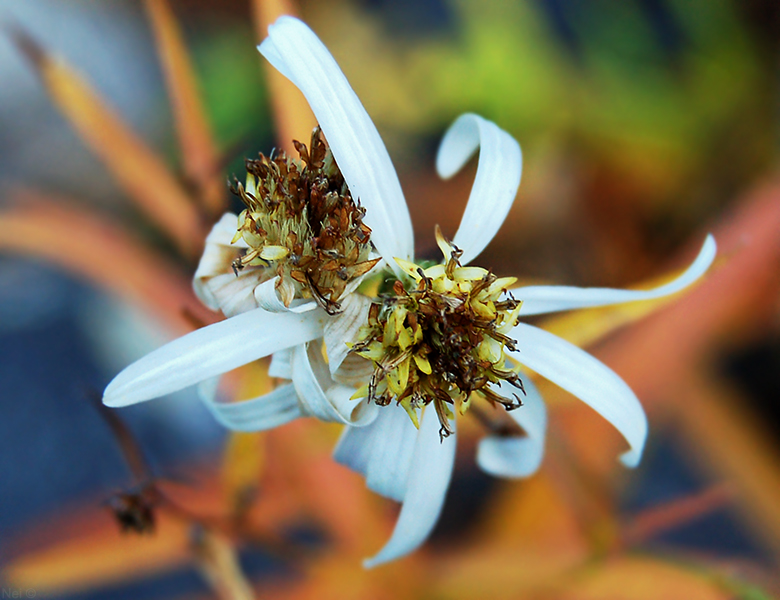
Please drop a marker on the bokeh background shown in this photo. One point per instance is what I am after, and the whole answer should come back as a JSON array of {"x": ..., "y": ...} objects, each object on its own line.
[{"x": 644, "y": 125}]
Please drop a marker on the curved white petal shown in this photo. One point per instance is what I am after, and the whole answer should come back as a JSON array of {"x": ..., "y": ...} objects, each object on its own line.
[
  {"x": 344, "y": 328},
  {"x": 234, "y": 294},
  {"x": 391, "y": 454},
  {"x": 258, "y": 414},
  {"x": 515, "y": 456},
  {"x": 495, "y": 185},
  {"x": 281, "y": 364},
  {"x": 539, "y": 299},
  {"x": 356, "y": 444},
  {"x": 320, "y": 396},
  {"x": 588, "y": 379},
  {"x": 381, "y": 451},
  {"x": 428, "y": 480},
  {"x": 218, "y": 254},
  {"x": 211, "y": 351},
  {"x": 224, "y": 231},
  {"x": 267, "y": 298},
  {"x": 299, "y": 55},
  {"x": 354, "y": 371}
]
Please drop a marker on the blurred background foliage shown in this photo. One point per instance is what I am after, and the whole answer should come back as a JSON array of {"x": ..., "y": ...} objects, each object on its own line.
[{"x": 644, "y": 124}]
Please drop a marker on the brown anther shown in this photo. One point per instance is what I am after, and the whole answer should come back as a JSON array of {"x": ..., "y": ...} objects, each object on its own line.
[
  {"x": 304, "y": 206},
  {"x": 444, "y": 333},
  {"x": 446, "y": 429}
]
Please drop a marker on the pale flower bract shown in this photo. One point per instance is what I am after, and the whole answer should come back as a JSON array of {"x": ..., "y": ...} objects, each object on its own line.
[{"x": 445, "y": 333}]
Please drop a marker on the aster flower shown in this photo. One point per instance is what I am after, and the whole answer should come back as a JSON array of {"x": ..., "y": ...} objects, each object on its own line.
[{"x": 407, "y": 359}]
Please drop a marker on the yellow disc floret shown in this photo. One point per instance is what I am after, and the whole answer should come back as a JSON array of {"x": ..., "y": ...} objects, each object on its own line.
[{"x": 440, "y": 338}]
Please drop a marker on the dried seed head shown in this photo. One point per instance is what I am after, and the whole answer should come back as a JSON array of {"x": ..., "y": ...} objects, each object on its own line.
[
  {"x": 302, "y": 224},
  {"x": 441, "y": 338}
]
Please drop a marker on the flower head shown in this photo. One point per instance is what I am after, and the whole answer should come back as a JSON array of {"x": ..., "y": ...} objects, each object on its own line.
[
  {"x": 302, "y": 225},
  {"x": 422, "y": 350},
  {"x": 441, "y": 340}
]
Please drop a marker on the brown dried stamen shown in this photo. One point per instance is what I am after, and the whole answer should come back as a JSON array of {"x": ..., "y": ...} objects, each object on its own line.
[{"x": 302, "y": 225}]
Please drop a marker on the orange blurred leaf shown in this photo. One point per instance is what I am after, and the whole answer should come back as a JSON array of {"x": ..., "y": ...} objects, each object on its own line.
[
  {"x": 662, "y": 358},
  {"x": 199, "y": 153},
  {"x": 103, "y": 253},
  {"x": 97, "y": 554},
  {"x": 137, "y": 168},
  {"x": 639, "y": 578},
  {"x": 292, "y": 115}
]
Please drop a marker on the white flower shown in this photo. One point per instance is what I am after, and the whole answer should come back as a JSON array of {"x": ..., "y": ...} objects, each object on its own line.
[{"x": 400, "y": 461}]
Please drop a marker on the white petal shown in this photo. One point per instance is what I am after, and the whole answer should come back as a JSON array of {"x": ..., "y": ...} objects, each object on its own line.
[
  {"x": 258, "y": 414},
  {"x": 381, "y": 451},
  {"x": 211, "y": 351},
  {"x": 550, "y": 298},
  {"x": 428, "y": 480},
  {"x": 517, "y": 456},
  {"x": 224, "y": 231},
  {"x": 356, "y": 444},
  {"x": 320, "y": 396},
  {"x": 495, "y": 185},
  {"x": 217, "y": 256},
  {"x": 588, "y": 379},
  {"x": 361, "y": 155},
  {"x": 354, "y": 371},
  {"x": 233, "y": 293},
  {"x": 391, "y": 454},
  {"x": 344, "y": 328},
  {"x": 281, "y": 364},
  {"x": 267, "y": 297}
]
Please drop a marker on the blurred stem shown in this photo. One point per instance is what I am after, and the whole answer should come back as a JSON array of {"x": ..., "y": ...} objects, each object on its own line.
[
  {"x": 217, "y": 560},
  {"x": 657, "y": 519},
  {"x": 139, "y": 170},
  {"x": 198, "y": 149},
  {"x": 292, "y": 116},
  {"x": 736, "y": 446}
]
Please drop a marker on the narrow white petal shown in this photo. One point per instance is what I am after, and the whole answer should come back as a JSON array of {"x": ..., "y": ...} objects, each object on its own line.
[
  {"x": 550, "y": 298},
  {"x": 429, "y": 478},
  {"x": 391, "y": 454},
  {"x": 258, "y": 414},
  {"x": 495, "y": 185},
  {"x": 517, "y": 456},
  {"x": 381, "y": 451},
  {"x": 320, "y": 396},
  {"x": 355, "y": 445},
  {"x": 344, "y": 328},
  {"x": 354, "y": 371},
  {"x": 212, "y": 263},
  {"x": 217, "y": 256},
  {"x": 359, "y": 412},
  {"x": 267, "y": 298},
  {"x": 224, "y": 231},
  {"x": 361, "y": 155},
  {"x": 211, "y": 351},
  {"x": 587, "y": 378},
  {"x": 281, "y": 364},
  {"x": 234, "y": 294}
]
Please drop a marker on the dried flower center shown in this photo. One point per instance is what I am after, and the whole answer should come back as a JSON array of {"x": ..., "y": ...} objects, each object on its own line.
[
  {"x": 441, "y": 338},
  {"x": 302, "y": 224}
]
